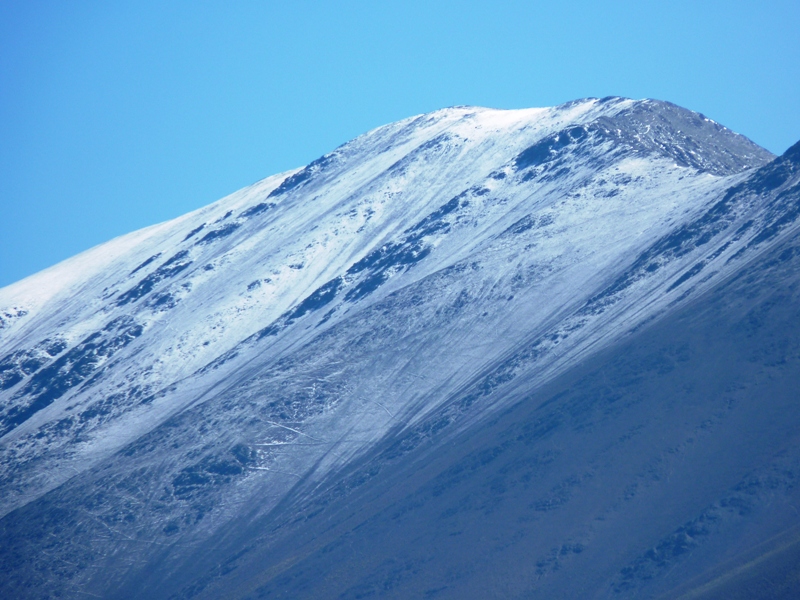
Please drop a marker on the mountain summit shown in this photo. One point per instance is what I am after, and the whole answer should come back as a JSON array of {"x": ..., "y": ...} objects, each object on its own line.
[{"x": 475, "y": 353}]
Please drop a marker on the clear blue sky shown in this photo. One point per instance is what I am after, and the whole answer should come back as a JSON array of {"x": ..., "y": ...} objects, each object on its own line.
[{"x": 117, "y": 115}]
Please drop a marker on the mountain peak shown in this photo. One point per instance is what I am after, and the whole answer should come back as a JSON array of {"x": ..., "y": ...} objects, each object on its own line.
[{"x": 636, "y": 126}]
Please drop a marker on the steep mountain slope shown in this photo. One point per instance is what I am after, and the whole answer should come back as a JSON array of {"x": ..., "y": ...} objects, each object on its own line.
[
  {"x": 235, "y": 387},
  {"x": 660, "y": 467}
]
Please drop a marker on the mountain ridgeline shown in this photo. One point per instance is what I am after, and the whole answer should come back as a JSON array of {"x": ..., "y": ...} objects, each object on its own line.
[{"x": 541, "y": 353}]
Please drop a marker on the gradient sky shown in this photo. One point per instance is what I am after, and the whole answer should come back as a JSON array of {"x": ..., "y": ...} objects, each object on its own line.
[{"x": 117, "y": 115}]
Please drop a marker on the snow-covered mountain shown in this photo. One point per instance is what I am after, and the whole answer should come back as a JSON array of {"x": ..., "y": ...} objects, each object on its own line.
[{"x": 290, "y": 380}]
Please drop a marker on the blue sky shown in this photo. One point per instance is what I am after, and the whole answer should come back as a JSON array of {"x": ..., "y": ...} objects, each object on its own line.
[{"x": 118, "y": 115}]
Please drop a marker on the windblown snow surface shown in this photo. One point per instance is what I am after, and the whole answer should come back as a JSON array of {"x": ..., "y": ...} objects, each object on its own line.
[{"x": 544, "y": 353}]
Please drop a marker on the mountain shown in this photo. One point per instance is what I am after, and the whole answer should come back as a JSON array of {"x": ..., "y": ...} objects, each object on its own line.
[{"x": 543, "y": 353}]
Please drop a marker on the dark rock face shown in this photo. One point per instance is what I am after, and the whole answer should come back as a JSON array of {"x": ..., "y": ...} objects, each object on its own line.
[
  {"x": 473, "y": 354},
  {"x": 689, "y": 138}
]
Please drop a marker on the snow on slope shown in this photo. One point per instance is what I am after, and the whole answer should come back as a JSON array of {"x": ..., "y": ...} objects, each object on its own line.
[{"x": 295, "y": 322}]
